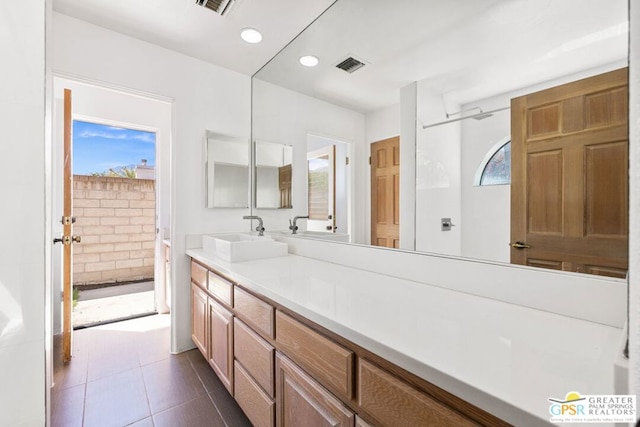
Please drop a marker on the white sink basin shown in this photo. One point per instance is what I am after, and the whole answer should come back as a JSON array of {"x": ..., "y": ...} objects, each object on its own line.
[{"x": 242, "y": 247}]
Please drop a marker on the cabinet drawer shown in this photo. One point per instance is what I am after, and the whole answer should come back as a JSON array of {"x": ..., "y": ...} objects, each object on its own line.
[
  {"x": 257, "y": 406},
  {"x": 254, "y": 311},
  {"x": 393, "y": 402},
  {"x": 327, "y": 361},
  {"x": 255, "y": 354},
  {"x": 220, "y": 288},
  {"x": 198, "y": 274},
  {"x": 302, "y": 401}
]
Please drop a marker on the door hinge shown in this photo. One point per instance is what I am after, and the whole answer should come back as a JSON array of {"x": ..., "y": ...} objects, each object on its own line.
[
  {"x": 369, "y": 159},
  {"x": 346, "y": 161}
]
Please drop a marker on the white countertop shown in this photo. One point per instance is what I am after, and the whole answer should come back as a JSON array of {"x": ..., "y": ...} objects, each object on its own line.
[{"x": 504, "y": 358}]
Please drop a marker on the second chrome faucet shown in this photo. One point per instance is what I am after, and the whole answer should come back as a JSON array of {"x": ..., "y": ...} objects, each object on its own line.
[{"x": 292, "y": 224}]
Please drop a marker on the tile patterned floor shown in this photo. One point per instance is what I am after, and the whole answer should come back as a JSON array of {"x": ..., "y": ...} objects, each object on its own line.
[{"x": 123, "y": 375}]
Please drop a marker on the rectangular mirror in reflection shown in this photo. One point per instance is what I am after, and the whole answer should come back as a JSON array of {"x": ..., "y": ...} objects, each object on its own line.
[
  {"x": 273, "y": 175},
  {"x": 226, "y": 171}
]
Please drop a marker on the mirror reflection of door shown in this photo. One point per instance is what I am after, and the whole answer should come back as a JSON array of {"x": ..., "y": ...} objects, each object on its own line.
[
  {"x": 284, "y": 183},
  {"x": 569, "y": 190},
  {"x": 322, "y": 189},
  {"x": 385, "y": 193}
]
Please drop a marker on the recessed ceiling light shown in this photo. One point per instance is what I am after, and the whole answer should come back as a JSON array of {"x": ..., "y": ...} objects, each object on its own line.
[
  {"x": 309, "y": 61},
  {"x": 251, "y": 35}
]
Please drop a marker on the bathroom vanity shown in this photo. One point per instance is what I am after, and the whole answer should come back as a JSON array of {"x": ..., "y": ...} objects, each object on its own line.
[{"x": 296, "y": 338}]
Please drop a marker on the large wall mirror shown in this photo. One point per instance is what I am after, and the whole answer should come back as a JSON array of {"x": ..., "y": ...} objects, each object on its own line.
[
  {"x": 452, "y": 69},
  {"x": 226, "y": 171}
]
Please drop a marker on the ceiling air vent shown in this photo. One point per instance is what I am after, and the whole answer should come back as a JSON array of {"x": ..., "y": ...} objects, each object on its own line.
[
  {"x": 222, "y": 7},
  {"x": 350, "y": 64}
]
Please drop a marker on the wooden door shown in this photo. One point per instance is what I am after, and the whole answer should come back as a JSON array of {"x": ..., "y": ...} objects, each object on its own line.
[
  {"x": 67, "y": 238},
  {"x": 569, "y": 190},
  {"x": 284, "y": 185},
  {"x": 301, "y": 401},
  {"x": 385, "y": 193}
]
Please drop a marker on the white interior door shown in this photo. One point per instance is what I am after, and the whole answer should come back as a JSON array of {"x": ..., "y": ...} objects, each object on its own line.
[{"x": 321, "y": 169}]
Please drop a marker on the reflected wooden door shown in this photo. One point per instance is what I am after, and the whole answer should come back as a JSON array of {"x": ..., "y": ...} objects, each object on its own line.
[
  {"x": 569, "y": 190},
  {"x": 385, "y": 193}
]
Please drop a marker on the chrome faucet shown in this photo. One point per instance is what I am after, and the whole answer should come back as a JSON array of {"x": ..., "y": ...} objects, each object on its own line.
[
  {"x": 292, "y": 225},
  {"x": 260, "y": 227}
]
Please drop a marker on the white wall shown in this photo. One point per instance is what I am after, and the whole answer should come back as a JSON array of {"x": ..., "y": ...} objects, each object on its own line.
[
  {"x": 205, "y": 97},
  {"x": 287, "y": 117},
  {"x": 438, "y": 192},
  {"x": 486, "y": 211},
  {"x": 382, "y": 124},
  {"x": 23, "y": 252}
]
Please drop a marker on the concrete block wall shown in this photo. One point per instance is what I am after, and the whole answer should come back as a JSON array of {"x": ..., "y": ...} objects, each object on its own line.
[{"x": 116, "y": 219}]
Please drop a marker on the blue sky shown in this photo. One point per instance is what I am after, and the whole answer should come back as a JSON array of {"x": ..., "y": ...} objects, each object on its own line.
[{"x": 98, "y": 148}]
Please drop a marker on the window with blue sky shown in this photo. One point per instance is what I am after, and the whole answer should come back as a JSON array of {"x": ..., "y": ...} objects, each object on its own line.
[
  {"x": 98, "y": 148},
  {"x": 496, "y": 168}
]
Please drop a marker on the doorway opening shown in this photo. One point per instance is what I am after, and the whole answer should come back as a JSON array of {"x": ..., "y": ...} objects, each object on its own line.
[
  {"x": 114, "y": 204},
  {"x": 328, "y": 187}
]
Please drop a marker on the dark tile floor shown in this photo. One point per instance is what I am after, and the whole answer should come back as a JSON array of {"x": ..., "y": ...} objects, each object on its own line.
[{"x": 122, "y": 374}]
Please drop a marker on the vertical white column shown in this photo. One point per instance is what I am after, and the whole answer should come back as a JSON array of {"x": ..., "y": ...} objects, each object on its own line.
[
  {"x": 408, "y": 111},
  {"x": 22, "y": 186}
]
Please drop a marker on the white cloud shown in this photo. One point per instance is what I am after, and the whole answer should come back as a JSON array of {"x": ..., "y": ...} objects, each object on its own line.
[
  {"x": 145, "y": 137},
  {"x": 99, "y": 134}
]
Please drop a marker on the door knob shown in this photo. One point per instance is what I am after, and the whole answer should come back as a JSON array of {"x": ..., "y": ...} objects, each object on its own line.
[
  {"x": 66, "y": 240},
  {"x": 520, "y": 245}
]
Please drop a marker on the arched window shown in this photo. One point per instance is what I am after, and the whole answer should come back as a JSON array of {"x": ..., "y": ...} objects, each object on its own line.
[{"x": 495, "y": 168}]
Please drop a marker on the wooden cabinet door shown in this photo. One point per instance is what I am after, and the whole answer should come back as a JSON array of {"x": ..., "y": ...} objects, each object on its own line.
[
  {"x": 199, "y": 321},
  {"x": 569, "y": 190},
  {"x": 393, "y": 402},
  {"x": 256, "y": 404},
  {"x": 301, "y": 401},
  {"x": 220, "y": 354}
]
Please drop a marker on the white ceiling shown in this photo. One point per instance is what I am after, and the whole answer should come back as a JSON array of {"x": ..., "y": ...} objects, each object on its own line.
[
  {"x": 185, "y": 27},
  {"x": 464, "y": 49}
]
